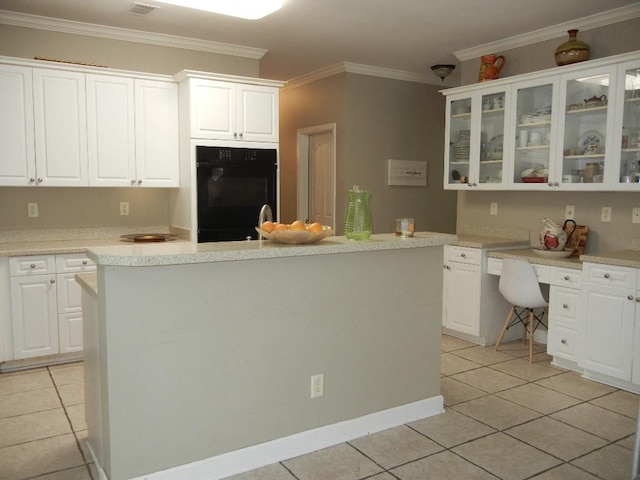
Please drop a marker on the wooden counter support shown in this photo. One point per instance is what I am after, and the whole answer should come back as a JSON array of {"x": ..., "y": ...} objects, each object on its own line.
[{"x": 203, "y": 370}]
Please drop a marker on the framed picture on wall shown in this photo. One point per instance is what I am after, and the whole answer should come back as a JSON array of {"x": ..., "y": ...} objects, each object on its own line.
[{"x": 407, "y": 172}]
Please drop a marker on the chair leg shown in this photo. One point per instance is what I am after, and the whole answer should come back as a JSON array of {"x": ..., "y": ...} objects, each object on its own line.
[
  {"x": 510, "y": 316},
  {"x": 531, "y": 329}
]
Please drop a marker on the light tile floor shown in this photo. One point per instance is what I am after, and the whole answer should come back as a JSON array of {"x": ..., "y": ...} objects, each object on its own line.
[{"x": 505, "y": 419}]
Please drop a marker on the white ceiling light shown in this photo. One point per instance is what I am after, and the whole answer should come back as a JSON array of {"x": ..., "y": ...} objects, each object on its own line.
[{"x": 250, "y": 9}]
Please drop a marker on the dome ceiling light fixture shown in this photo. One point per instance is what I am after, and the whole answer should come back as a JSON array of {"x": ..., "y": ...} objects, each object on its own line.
[
  {"x": 249, "y": 9},
  {"x": 442, "y": 71}
]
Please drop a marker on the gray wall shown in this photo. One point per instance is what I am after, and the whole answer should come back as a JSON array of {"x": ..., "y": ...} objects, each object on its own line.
[
  {"x": 524, "y": 209},
  {"x": 99, "y": 207},
  {"x": 377, "y": 119}
]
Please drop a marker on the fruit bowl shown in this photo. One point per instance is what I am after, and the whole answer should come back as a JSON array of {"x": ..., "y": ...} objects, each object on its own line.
[{"x": 296, "y": 236}]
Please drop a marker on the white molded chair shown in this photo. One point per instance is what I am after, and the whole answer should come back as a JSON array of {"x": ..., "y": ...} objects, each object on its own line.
[{"x": 519, "y": 286}]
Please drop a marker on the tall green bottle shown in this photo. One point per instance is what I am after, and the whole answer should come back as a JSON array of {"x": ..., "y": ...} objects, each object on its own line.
[{"x": 358, "y": 223}]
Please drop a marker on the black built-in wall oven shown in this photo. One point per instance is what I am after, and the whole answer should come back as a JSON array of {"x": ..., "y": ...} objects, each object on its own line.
[{"x": 233, "y": 185}]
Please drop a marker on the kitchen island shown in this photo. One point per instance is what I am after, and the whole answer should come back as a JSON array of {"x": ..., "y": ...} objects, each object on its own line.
[{"x": 199, "y": 358}]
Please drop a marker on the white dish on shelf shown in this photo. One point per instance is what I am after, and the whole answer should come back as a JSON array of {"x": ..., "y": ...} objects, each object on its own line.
[{"x": 567, "y": 252}]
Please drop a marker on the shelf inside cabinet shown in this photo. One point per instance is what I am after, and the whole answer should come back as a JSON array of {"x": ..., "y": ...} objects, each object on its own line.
[
  {"x": 595, "y": 155},
  {"x": 534, "y": 125},
  {"x": 457, "y": 162},
  {"x": 533, "y": 147},
  {"x": 461, "y": 115},
  {"x": 493, "y": 111},
  {"x": 497, "y": 160},
  {"x": 632, "y": 100},
  {"x": 631, "y": 150},
  {"x": 579, "y": 111}
]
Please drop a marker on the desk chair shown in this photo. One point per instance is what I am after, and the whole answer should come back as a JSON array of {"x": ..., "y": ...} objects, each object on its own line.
[{"x": 519, "y": 286}]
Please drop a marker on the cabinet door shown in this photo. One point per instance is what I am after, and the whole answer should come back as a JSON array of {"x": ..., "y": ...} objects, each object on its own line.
[
  {"x": 17, "y": 155},
  {"x": 34, "y": 316},
  {"x": 156, "y": 125},
  {"x": 626, "y": 174},
  {"x": 110, "y": 130},
  {"x": 494, "y": 139},
  {"x": 457, "y": 153},
  {"x": 213, "y": 109},
  {"x": 608, "y": 316},
  {"x": 587, "y": 129},
  {"x": 257, "y": 113},
  {"x": 60, "y": 128},
  {"x": 69, "y": 293},
  {"x": 461, "y": 298},
  {"x": 534, "y": 116},
  {"x": 70, "y": 332}
]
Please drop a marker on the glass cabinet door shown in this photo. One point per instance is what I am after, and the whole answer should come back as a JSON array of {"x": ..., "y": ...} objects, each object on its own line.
[
  {"x": 630, "y": 146},
  {"x": 586, "y": 125},
  {"x": 533, "y": 133},
  {"x": 459, "y": 152},
  {"x": 492, "y": 138}
]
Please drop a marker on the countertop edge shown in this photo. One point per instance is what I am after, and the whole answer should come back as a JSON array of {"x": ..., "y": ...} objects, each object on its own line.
[
  {"x": 189, "y": 253},
  {"x": 572, "y": 262}
]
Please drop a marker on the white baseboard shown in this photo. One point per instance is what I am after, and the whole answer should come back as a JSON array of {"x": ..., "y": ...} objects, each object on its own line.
[{"x": 256, "y": 456}]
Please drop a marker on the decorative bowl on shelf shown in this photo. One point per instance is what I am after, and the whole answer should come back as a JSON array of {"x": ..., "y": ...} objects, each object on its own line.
[
  {"x": 567, "y": 252},
  {"x": 296, "y": 236}
]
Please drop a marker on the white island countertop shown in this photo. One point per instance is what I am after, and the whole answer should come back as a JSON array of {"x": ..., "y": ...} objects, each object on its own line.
[{"x": 156, "y": 254}]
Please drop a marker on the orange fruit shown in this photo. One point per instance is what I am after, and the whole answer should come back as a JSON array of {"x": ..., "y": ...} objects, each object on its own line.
[
  {"x": 315, "y": 227},
  {"x": 268, "y": 226},
  {"x": 298, "y": 225},
  {"x": 281, "y": 226}
]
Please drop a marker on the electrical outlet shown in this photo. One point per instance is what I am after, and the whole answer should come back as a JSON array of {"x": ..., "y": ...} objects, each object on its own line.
[
  {"x": 635, "y": 215},
  {"x": 605, "y": 216},
  {"x": 317, "y": 385},
  {"x": 493, "y": 208},
  {"x": 124, "y": 208},
  {"x": 32, "y": 210},
  {"x": 569, "y": 212}
]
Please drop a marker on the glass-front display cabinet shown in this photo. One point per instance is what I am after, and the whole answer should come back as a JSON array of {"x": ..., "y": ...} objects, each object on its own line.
[
  {"x": 587, "y": 130},
  {"x": 475, "y": 153},
  {"x": 629, "y": 165},
  {"x": 534, "y": 135}
]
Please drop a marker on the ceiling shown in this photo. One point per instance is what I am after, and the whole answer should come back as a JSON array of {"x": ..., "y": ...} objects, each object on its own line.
[{"x": 308, "y": 35}]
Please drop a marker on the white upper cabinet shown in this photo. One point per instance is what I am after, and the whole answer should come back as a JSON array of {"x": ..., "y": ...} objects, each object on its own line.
[
  {"x": 17, "y": 155},
  {"x": 233, "y": 111},
  {"x": 110, "y": 128},
  {"x": 156, "y": 125},
  {"x": 60, "y": 128},
  {"x": 575, "y": 127}
]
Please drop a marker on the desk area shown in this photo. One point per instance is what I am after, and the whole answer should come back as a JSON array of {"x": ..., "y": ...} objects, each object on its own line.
[{"x": 594, "y": 310}]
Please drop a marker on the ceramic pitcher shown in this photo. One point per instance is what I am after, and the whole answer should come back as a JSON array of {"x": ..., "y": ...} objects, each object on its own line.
[
  {"x": 554, "y": 236},
  {"x": 490, "y": 67}
]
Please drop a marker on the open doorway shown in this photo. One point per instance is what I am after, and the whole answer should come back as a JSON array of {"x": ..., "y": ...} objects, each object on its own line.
[{"x": 316, "y": 183}]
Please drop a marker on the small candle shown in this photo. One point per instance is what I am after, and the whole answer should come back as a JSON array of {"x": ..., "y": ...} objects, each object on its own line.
[{"x": 404, "y": 227}]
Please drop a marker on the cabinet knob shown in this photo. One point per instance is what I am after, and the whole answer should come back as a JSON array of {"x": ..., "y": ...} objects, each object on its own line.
[
  {"x": 555, "y": 184},
  {"x": 550, "y": 184},
  {"x": 240, "y": 134},
  {"x": 235, "y": 134},
  {"x": 563, "y": 341},
  {"x": 463, "y": 255},
  {"x": 33, "y": 265},
  {"x": 139, "y": 182},
  {"x": 565, "y": 306},
  {"x": 566, "y": 277},
  {"x": 53, "y": 280},
  {"x": 39, "y": 180},
  {"x": 84, "y": 262},
  {"x": 606, "y": 275},
  {"x": 31, "y": 180},
  {"x": 630, "y": 297},
  {"x": 133, "y": 181},
  {"x": 638, "y": 299}
]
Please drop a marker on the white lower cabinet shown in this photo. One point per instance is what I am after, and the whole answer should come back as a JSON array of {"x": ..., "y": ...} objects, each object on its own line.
[
  {"x": 564, "y": 308},
  {"x": 46, "y": 308},
  {"x": 610, "y": 322},
  {"x": 472, "y": 306}
]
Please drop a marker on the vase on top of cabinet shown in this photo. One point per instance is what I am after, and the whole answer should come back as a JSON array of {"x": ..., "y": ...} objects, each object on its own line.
[{"x": 476, "y": 130}]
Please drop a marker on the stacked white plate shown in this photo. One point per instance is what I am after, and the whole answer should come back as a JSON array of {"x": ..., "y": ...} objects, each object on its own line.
[{"x": 461, "y": 147}]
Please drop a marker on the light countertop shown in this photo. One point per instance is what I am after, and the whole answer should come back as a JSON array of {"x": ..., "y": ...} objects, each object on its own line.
[
  {"x": 177, "y": 253},
  {"x": 621, "y": 258},
  {"x": 481, "y": 241},
  {"x": 51, "y": 247}
]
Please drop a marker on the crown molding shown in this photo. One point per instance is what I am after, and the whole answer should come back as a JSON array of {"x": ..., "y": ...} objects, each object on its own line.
[
  {"x": 115, "y": 33},
  {"x": 360, "y": 69},
  {"x": 550, "y": 33}
]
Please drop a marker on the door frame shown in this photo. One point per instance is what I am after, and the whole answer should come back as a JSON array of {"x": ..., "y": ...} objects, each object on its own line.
[{"x": 302, "y": 204}]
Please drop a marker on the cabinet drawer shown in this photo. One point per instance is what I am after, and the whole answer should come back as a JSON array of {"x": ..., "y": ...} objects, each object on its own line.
[
  {"x": 468, "y": 255},
  {"x": 74, "y": 262},
  {"x": 564, "y": 304},
  {"x": 494, "y": 266},
  {"x": 563, "y": 342},
  {"x": 565, "y": 277},
  {"x": 32, "y": 265},
  {"x": 609, "y": 275}
]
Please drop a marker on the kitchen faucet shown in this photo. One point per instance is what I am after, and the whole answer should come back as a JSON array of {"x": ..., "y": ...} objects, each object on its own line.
[{"x": 265, "y": 215}]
